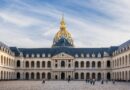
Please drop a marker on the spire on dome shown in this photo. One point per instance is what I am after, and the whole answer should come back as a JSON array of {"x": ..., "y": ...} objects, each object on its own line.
[
  {"x": 62, "y": 23},
  {"x": 63, "y": 37}
]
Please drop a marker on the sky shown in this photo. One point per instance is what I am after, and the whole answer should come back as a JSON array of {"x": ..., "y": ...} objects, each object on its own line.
[{"x": 92, "y": 23}]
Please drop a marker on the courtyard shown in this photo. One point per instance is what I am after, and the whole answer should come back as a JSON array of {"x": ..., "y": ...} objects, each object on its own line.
[{"x": 62, "y": 85}]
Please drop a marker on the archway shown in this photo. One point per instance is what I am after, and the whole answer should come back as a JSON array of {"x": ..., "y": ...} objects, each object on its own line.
[
  {"x": 49, "y": 75},
  {"x": 93, "y": 75},
  {"x": 27, "y": 75},
  {"x": 18, "y": 75},
  {"x": 38, "y": 75},
  {"x": 32, "y": 75},
  {"x": 108, "y": 76},
  {"x": 76, "y": 75},
  {"x": 87, "y": 76},
  {"x": 99, "y": 76},
  {"x": 62, "y": 75}
]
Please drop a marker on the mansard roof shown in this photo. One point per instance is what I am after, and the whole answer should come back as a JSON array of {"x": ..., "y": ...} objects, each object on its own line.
[
  {"x": 3, "y": 45},
  {"x": 124, "y": 45},
  {"x": 57, "y": 50}
]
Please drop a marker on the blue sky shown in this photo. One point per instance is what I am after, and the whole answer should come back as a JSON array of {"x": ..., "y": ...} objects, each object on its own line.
[{"x": 92, "y": 23}]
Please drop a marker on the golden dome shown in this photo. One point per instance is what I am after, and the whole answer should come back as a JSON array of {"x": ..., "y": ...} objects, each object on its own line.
[{"x": 63, "y": 33}]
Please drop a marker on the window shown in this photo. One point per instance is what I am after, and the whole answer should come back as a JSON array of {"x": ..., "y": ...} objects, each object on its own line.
[
  {"x": 49, "y": 64},
  {"x": 27, "y": 64},
  {"x": 62, "y": 63},
  {"x": 43, "y": 55},
  {"x": 108, "y": 63},
  {"x": 87, "y": 64},
  {"x": 18, "y": 63},
  {"x": 38, "y": 55},
  {"x": 76, "y": 75},
  {"x": 43, "y": 63},
  {"x": 93, "y": 64},
  {"x": 76, "y": 64},
  {"x": 82, "y": 64},
  {"x": 76, "y": 55},
  {"x": 69, "y": 65},
  {"x": 99, "y": 64},
  {"x": 82, "y": 75},
  {"x": 32, "y": 64},
  {"x": 38, "y": 64}
]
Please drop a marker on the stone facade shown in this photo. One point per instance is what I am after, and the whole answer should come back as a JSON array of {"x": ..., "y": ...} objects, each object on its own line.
[{"x": 64, "y": 61}]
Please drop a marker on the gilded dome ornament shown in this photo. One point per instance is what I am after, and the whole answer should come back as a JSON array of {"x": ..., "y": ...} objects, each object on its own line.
[{"x": 63, "y": 33}]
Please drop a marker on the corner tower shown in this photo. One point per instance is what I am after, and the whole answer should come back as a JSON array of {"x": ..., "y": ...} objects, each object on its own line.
[{"x": 63, "y": 37}]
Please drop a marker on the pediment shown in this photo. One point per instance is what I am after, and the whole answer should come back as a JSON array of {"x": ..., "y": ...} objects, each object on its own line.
[{"x": 62, "y": 56}]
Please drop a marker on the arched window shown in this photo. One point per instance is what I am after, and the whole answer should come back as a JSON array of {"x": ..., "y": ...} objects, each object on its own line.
[
  {"x": 32, "y": 64},
  {"x": 126, "y": 60},
  {"x": 108, "y": 63},
  {"x": 123, "y": 60},
  {"x": 32, "y": 75},
  {"x": 43, "y": 75},
  {"x": 76, "y": 76},
  {"x": 18, "y": 75},
  {"x": 99, "y": 64},
  {"x": 76, "y": 64},
  {"x": 43, "y": 63},
  {"x": 18, "y": 63},
  {"x": 27, "y": 75},
  {"x": 27, "y": 64},
  {"x": 108, "y": 76},
  {"x": 38, "y": 75},
  {"x": 93, "y": 75},
  {"x": 49, "y": 64},
  {"x": 82, "y": 75},
  {"x": 99, "y": 76},
  {"x": 87, "y": 75},
  {"x": 87, "y": 64},
  {"x": 82, "y": 64},
  {"x": 1, "y": 75},
  {"x": 62, "y": 63},
  {"x": 93, "y": 64},
  {"x": 38, "y": 64},
  {"x": 49, "y": 75},
  {"x": 1, "y": 59}
]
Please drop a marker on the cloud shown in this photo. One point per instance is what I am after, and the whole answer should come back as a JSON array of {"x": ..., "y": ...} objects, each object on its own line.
[{"x": 92, "y": 23}]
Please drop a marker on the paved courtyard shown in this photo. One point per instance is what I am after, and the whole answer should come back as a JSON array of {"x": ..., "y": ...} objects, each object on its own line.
[{"x": 61, "y": 85}]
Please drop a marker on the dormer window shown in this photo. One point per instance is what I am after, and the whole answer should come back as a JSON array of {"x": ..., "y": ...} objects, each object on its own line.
[
  {"x": 32, "y": 55},
  {"x": 106, "y": 54},
  {"x": 82, "y": 55},
  {"x": 76, "y": 55},
  {"x": 38, "y": 55},
  {"x": 93, "y": 55},
  {"x": 21, "y": 54},
  {"x": 43, "y": 55},
  {"x": 27, "y": 55},
  {"x": 88, "y": 55},
  {"x": 99, "y": 55},
  {"x": 49, "y": 55}
]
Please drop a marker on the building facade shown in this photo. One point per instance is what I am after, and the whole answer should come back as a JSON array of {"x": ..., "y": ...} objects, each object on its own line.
[{"x": 63, "y": 61}]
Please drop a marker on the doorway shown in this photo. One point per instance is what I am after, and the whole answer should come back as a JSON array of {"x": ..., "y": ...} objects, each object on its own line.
[{"x": 62, "y": 75}]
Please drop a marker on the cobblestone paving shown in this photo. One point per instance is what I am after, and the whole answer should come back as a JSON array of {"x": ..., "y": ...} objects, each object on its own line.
[{"x": 61, "y": 85}]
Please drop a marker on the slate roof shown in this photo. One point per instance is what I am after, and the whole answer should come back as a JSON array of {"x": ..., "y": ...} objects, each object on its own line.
[
  {"x": 57, "y": 50},
  {"x": 4, "y": 46},
  {"x": 124, "y": 45}
]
